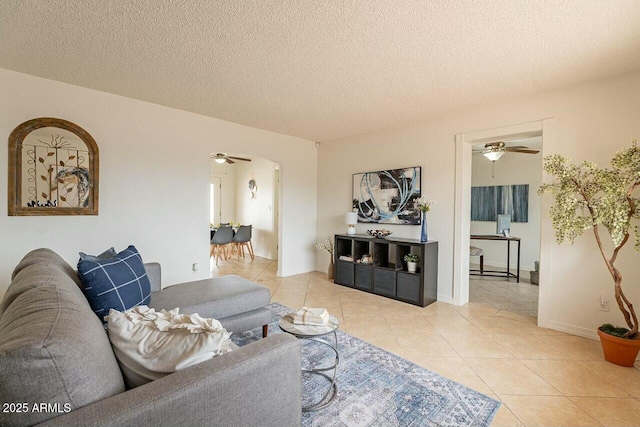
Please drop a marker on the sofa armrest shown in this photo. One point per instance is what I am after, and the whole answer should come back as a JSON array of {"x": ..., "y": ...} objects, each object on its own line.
[
  {"x": 154, "y": 273},
  {"x": 256, "y": 385}
]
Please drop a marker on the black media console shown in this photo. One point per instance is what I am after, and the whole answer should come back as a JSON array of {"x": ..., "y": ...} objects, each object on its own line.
[{"x": 387, "y": 273}]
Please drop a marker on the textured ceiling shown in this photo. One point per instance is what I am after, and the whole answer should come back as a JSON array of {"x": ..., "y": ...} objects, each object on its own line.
[{"x": 320, "y": 70}]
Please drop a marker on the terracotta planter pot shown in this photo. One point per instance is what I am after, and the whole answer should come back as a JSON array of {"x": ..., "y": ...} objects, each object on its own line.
[{"x": 619, "y": 351}]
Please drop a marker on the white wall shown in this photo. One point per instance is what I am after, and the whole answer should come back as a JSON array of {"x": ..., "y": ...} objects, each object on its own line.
[
  {"x": 154, "y": 180},
  {"x": 511, "y": 169},
  {"x": 227, "y": 175},
  {"x": 257, "y": 211},
  {"x": 591, "y": 122}
]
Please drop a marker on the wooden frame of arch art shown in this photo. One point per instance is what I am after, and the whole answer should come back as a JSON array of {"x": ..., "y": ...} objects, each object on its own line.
[{"x": 53, "y": 169}]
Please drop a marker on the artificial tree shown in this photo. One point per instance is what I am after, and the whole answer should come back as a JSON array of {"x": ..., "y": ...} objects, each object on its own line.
[{"x": 587, "y": 196}]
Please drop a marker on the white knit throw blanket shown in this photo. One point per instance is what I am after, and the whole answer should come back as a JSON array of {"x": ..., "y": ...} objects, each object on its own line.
[
  {"x": 167, "y": 321},
  {"x": 150, "y": 344}
]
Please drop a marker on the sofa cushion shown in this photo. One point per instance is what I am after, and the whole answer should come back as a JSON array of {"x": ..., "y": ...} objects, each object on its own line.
[
  {"x": 46, "y": 255},
  {"x": 218, "y": 297},
  {"x": 53, "y": 349},
  {"x": 36, "y": 256},
  {"x": 118, "y": 283}
]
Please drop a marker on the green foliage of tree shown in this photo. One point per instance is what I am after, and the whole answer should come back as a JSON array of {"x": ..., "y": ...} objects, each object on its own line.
[{"x": 587, "y": 196}]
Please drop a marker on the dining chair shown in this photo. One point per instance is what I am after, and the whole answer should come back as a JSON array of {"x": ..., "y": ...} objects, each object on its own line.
[
  {"x": 220, "y": 242},
  {"x": 242, "y": 239}
]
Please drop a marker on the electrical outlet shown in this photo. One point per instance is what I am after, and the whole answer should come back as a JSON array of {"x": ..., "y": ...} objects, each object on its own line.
[
  {"x": 194, "y": 267},
  {"x": 604, "y": 303}
]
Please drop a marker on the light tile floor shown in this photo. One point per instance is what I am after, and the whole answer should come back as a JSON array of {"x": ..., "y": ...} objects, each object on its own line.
[
  {"x": 543, "y": 377},
  {"x": 498, "y": 292}
]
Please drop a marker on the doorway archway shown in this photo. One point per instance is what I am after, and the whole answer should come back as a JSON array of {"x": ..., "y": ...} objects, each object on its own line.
[{"x": 249, "y": 194}]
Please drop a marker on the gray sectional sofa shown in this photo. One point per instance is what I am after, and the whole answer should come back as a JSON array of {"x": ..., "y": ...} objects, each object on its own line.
[{"x": 57, "y": 367}]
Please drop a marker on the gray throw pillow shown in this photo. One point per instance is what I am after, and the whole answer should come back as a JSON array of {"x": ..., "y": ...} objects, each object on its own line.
[{"x": 109, "y": 253}]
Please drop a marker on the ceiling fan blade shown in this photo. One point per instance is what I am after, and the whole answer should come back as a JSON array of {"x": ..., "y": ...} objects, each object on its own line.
[
  {"x": 239, "y": 158},
  {"x": 230, "y": 161},
  {"x": 517, "y": 146},
  {"x": 518, "y": 150}
]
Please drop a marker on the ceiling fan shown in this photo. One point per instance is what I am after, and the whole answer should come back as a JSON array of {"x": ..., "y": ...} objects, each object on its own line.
[
  {"x": 494, "y": 150},
  {"x": 223, "y": 157}
]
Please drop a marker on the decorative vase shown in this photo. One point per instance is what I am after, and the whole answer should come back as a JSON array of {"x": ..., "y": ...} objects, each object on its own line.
[
  {"x": 330, "y": 271},
  {"x": 423, "y": 233},
  {"x": 619, "y": 351},
  {"x": 412, "y": 266}
]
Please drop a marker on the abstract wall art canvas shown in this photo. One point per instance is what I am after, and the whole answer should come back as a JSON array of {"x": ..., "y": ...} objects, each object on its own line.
[
  {"x": 387, "y": 197},
  {"x": 489, "y": 202}
]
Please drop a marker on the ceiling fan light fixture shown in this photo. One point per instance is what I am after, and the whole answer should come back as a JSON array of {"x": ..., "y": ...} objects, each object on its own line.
[
  {"x": 220, "y": 159},
  {"x": 493, "y": 155}
]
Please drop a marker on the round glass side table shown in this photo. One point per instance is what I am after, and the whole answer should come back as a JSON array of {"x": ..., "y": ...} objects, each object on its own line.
[{"x": 316, "y": 334}]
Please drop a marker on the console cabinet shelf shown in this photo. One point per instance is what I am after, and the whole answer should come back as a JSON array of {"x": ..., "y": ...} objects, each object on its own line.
[{"x": 387, "y": 273}]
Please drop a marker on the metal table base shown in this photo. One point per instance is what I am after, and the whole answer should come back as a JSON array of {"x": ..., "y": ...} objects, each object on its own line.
[
  {"x": 332, "y": 391},
  {"x": 314, "y": 333},
  {"x": 496, "y": 273}
]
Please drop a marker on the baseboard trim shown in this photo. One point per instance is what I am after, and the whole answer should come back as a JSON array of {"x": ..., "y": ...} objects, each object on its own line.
[
  {"x": 580, "y": 331},
  {"x": 445, "y": 298},
  {"x": 573, "y": 330}
]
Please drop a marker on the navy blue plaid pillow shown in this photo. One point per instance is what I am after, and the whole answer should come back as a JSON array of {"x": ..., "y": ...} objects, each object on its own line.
[{"x": 120, "y": 282}]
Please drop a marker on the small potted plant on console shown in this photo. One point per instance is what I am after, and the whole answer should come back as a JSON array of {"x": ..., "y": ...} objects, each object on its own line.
[{"x": 412, "y": 262}]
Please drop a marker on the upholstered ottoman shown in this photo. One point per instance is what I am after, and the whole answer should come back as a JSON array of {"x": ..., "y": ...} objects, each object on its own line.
[{"x": 239, "y": 304}]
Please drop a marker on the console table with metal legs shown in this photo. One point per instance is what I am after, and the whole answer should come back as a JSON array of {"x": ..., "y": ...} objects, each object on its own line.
[{"x": 497, "y": 273}]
